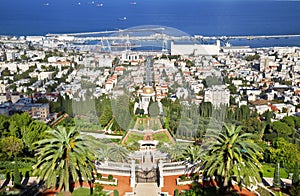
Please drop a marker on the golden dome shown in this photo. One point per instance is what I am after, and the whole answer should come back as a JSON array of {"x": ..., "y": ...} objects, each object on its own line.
[{"x": 148, "y": 90}]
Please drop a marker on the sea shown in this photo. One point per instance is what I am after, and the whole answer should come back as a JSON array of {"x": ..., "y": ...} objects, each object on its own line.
[{"x": 194, "y": 17}]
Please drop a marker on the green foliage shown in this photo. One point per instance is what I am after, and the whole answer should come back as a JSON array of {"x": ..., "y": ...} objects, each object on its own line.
[
  {"x": 87, "y": 123},
  {"x": 67, "y": 153},
  {"x": 232, "y": 88},
  {"x": 296, "y": 174},
  {"x": 267, "y": 116},
  {"x": 118, "y": 153},
  {"x": 9, "y": 166},
  {"x": 242, "y": 113},
  {"x": 105, "y": 116},
  {"x": 84, "y": 192},
  {"x": 17, "y": 134},
  {"x": 110, "y": 177},
  {"x": 122, "y": 110},
  {"x": 268, "y": 171},
  {"x": 192, "y": 156},
  {"x": 205, "y": 109},
  {"x": 11, "y": 146},
  {"x": 289, "y": 120},
  {"x": 133, "y": 137},
  {"x": 287, "y": 154},
  {"x": 253, "y": 125},
  {"x": 183, "y": 177},
  {"x": 252, "y": 57},
  {"x": 172, "y": 114},
  {"x": 197, "y": 190},
  {"x": 176, "y": 192},
  {"x": 116, "y": 193},
  {"x": 175, "y": 151},
  {"x": 17, "y": 177},
  {"x": 276, "y": 179},
  {"x": 281, "y": 128},
  {"x": 295, "y": 190},
  {"x": 231, "y": 153},
  {"x": 154, "y": 109},
  {"x": 5, "y": 72},
  {"x": 161, "y": 137},
  {"x": 99, "y": 175},
  {"x": 212, "y": 80},
  {"x": 98, "y": 188}
]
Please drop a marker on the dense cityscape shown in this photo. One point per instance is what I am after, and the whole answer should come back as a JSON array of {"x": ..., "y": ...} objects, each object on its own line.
[{"x": 182, "y": 119}]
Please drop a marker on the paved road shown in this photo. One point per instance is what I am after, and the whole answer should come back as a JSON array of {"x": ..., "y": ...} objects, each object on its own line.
[
  {"x": 147, "y": 189},
  {"x": 147, "y": 165},
  {"x": 149, "y": 71}
]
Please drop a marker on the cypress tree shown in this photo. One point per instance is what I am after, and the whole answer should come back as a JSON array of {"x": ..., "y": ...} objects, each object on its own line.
[
  {"x": 296, "y": 174},
  {"x": 17, "y": 177},
  {"x": 276, "y": 179}
]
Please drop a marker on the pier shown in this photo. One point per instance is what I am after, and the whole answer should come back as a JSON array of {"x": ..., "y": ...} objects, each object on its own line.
[{"x": 156, "y": 33}]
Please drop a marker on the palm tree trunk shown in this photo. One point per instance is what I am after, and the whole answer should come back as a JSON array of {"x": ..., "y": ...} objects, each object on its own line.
[
  {"x": 91, "y": 187},
  {"x": 226, "y": 187}
]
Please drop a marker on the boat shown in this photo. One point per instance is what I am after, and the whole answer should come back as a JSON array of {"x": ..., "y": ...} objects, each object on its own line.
[
  {"x": 99, "y": 5},
  {"x": 123, "y": 19},
  {"x": 133, "y": 3}
]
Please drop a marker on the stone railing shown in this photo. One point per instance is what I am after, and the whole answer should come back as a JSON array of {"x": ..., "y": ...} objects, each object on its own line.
[
  {"x": 119, "y": 171},
  {"x": 183, "y": 182},
  {"x": 173, "y": 164},
  {"x": 107, "y": 182}
]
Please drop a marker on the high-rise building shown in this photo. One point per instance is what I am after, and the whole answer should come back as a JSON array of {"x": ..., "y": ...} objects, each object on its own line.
[{"x": 217, "y": 95}]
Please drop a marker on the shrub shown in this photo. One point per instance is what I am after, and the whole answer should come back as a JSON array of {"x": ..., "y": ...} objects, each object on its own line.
[
  {"x": 98, "y": 188},
  {"x": 116, "y": 193},
  {"x": 17, "y": 177},
  {"x": 182, "y": 177},
  {"x": 99, "y": 176},
  {"x": 110, "y": 177},
  {"x": 176, "y": 192}
]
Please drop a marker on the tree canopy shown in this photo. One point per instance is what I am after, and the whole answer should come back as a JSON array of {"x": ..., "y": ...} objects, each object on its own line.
[
  {"x": 65, "y": 153},
  {"x": 230, "y": 152}
]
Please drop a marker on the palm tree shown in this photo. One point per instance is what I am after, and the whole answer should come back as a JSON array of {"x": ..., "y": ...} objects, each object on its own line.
[
  {"x": 118, "y": 153},
  {"x": 192, "y": 156},
  {"x": 176, "y": 151},
  {"x": 104, "y": 152},
  {"x": 231, "y": 153},
  {"x": 64, "y": 157}
]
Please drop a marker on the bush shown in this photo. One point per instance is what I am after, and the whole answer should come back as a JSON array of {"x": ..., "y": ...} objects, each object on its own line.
[
  {"x": 182, "y": 177},
  {"x": 99, "y": 176},
  {"x": 17, "y": 177},
  {"x": 116, "y": 193},
  {"x": 176, "y": 192},
  {"x": 98, "y": 188},
  {"x": 110, "y": 177}
]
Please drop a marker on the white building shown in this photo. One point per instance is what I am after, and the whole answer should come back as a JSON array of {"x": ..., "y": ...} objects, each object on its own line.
[
  {"x": 146, "y": 96},
  {"x": 217, "y": 95},
  {"x": 236, "y": 49},
  {"x": 195, "y": 49}
]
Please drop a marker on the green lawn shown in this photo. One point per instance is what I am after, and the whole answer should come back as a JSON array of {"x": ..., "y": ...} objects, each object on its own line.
[
  {"x": 142, "y": 123},
  {"x": 161, "y": 137},
  {"x": 134, "y": 137},
  {"x": 84, "y": 124},
  {"x": 81, "y": 191},
  {"x": 78, "y": 192},
  {"x": 268, "y": 171}
]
